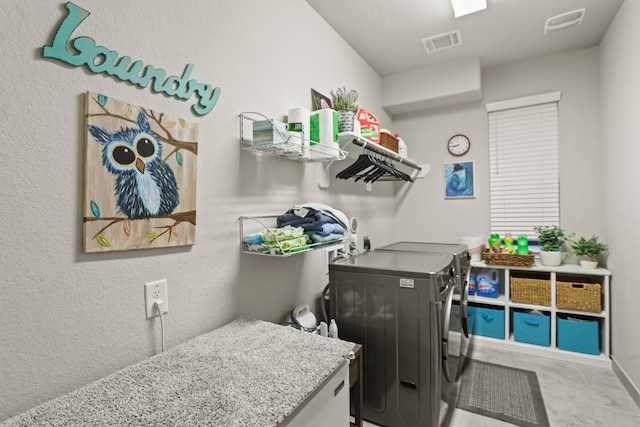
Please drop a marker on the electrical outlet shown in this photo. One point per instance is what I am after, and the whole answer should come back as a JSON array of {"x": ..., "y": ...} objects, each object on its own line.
[{"x": 156, "y": 292}]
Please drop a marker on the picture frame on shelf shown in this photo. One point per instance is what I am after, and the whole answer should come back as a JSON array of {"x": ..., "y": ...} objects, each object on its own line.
[
  {"x": 320, "y": 101},
  {"x": 459, "y": 180}
]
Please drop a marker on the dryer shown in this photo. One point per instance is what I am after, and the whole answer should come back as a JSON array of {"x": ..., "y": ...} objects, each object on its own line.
[
  {"x": 394, "y": 304},
  {"x": 453, "y": 366}
]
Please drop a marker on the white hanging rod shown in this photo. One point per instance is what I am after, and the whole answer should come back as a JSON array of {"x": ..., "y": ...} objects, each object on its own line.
[{"x": 378, "y": 149}]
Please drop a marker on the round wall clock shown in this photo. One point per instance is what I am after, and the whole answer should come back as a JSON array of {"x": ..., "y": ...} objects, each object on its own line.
[{"x": 458, "y": 145}]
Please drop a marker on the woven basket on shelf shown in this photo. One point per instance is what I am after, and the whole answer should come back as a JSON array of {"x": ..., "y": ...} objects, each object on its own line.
[
  {"x": 389, "y": 141},
  {"x": 491, "y": 258},
  {"x": 579, "y": 296},
  {"x": 531, "y": 291}
]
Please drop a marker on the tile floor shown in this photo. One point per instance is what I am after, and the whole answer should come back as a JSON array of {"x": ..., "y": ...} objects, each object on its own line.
[{"x": 575, "y": 395}]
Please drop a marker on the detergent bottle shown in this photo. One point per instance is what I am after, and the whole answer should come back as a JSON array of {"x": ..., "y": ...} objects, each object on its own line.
[
  {"x": 487, "y": 283},
  {"x": 402, "y": 147},
  {"x": 369, "y": 126},
  {"x": 495, "y": 243},
  {"x": 508, "y": 245},
  {"x": 523, "y": 245}
]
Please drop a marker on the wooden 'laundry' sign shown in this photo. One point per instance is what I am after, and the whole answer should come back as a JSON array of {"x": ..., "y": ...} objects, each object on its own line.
[{"x": 101, "y": 60}]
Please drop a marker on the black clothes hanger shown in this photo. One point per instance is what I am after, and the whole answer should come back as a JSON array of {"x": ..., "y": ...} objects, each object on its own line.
[
  {"x": 371, "y": 168},
  {"x": 362, "y": 162}
]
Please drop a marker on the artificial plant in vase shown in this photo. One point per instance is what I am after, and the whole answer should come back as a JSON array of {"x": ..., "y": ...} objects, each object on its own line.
[
  {"x": 345, "y": 102},
  {"x": 551, "y": 238},
  {"x": 588, "y": 251}
]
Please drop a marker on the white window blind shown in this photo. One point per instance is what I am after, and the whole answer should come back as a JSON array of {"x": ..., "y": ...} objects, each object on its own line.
[{"x": 523, "y": 166}]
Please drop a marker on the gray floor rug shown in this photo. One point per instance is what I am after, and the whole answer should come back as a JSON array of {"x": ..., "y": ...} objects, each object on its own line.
[{"x": 504, "y": 393}]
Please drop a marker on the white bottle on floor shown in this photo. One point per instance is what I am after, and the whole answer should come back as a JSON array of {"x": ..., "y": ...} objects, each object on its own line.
[{"x": 333, "y": 329}]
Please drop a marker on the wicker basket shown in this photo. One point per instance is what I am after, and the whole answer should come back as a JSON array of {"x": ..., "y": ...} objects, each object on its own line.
[
  {"x": 531, "y": 291},
  {"x": 491, "y": 258},
  {"x": 389, "y": 141},
  {"x": 579, "y": 296}
]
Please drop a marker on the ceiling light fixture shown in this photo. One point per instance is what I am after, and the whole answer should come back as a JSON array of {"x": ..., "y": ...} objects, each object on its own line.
[
  {"x": 564, "y": 20},
  {"x": 465, "y": 7}
]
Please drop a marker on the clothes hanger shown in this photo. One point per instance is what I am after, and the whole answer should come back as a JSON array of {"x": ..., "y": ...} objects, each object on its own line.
[
  {"x": 387, "y": 169},
  {"x": 370, "y": 168},
  {"x": 361, "y": 163}
]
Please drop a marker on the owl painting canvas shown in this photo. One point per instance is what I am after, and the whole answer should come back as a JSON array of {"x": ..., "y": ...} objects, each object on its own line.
[{"x": 140, "y": 177}]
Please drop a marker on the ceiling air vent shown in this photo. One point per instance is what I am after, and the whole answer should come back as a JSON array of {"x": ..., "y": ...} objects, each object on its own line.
[
  {"x": 564, "y": 20},
  {"x": 442, "y": 41}
]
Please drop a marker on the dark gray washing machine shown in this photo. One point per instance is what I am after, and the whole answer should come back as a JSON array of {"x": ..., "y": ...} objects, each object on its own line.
[
  {"x": 462, "y": 271},
  {"x": 394, "y": 304}
]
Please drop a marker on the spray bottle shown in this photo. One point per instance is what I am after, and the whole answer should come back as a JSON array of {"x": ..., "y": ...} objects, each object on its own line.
[{"x": 402, "y": 146}]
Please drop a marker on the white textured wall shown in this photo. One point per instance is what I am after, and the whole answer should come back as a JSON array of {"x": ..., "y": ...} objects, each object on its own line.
[
  {"x": 67, "y": 318},
  {"x": 576, "y": 75},
  {"x": 620, "y": 68}
]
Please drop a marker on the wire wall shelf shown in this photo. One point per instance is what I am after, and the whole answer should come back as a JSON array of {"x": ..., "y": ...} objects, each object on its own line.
[
  {"x": 250, "y": 225},
  {"x": 291, "y": 147}
]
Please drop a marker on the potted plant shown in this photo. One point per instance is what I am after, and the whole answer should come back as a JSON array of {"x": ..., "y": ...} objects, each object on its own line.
[
  {"x": 345, "y": 102},
  {"x": 551, "y": 239},
  {"x": 588, "y": 251}
]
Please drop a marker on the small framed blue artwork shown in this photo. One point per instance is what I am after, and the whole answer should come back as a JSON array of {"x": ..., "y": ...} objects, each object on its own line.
[{"x": 458, "y": 180}]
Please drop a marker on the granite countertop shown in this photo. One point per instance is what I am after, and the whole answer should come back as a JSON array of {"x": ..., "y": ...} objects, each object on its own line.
[{"x": 246, "y": 373}]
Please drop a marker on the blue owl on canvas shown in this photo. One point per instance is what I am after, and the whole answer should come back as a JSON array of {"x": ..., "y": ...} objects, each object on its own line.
[{"x": 145, "y": 185}]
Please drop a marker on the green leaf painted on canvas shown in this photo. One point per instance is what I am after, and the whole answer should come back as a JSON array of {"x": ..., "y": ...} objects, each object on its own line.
[
  {"x": 182, "y": 123},
  {"x": 152, "y": 234},
  {"x": 102, "y": 99},
  {"x": 102, "y": 241},
  {"x": 128, "y": 111},
  {"x": 95, "y": 209},
  {"x": 179, "y": 158}
]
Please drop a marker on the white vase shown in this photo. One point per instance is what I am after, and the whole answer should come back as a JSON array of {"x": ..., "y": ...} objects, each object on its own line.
[
  {"x": 550, "y": 258},
  {"x": 588, "y": 262},
  {"x": 345, "y": 120}
]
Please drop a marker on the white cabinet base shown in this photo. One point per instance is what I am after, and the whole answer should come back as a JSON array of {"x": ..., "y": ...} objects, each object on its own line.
[{"x": 327, "y": 406}]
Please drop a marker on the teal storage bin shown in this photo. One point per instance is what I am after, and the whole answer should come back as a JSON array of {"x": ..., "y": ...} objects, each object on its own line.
[
  {"x": 487, "y": 322},
  {"x": 456, "y": 319},
  {"x": 579, "y": 335},
  {"x": 532, "y": 328}
]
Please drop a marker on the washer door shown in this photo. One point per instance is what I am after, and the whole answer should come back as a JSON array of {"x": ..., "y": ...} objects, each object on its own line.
[
  {"x": 448, "y": 365},
  {"x": 464, "y": 324}
]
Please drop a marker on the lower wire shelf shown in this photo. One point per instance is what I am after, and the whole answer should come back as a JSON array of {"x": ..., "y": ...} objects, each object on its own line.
[{"x": 252, "y": 225}]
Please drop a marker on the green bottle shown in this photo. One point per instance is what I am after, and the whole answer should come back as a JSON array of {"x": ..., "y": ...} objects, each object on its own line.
[
  {"x": 523, "y": 245},
  {"x": 508, "y": 244},
  {"x": 494, "y": 243}
]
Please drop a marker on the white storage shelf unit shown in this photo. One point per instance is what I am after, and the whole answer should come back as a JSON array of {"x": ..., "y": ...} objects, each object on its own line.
[{"x": 566, "y": 272}]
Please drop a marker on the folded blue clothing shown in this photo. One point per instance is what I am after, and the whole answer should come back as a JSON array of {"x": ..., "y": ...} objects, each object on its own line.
[
  {"x": 312, "y": 221},
  {"x": 323, "y": 239},
  {"x": 329, "y": 228},
  {"x": 290, "y": 218}
]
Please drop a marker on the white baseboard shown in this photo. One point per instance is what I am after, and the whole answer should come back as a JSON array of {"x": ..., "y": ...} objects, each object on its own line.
[{"x": 626, "y": 381}]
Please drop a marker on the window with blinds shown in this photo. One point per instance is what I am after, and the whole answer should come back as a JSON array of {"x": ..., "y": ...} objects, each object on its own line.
[{"x": 523, "y": 164}]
